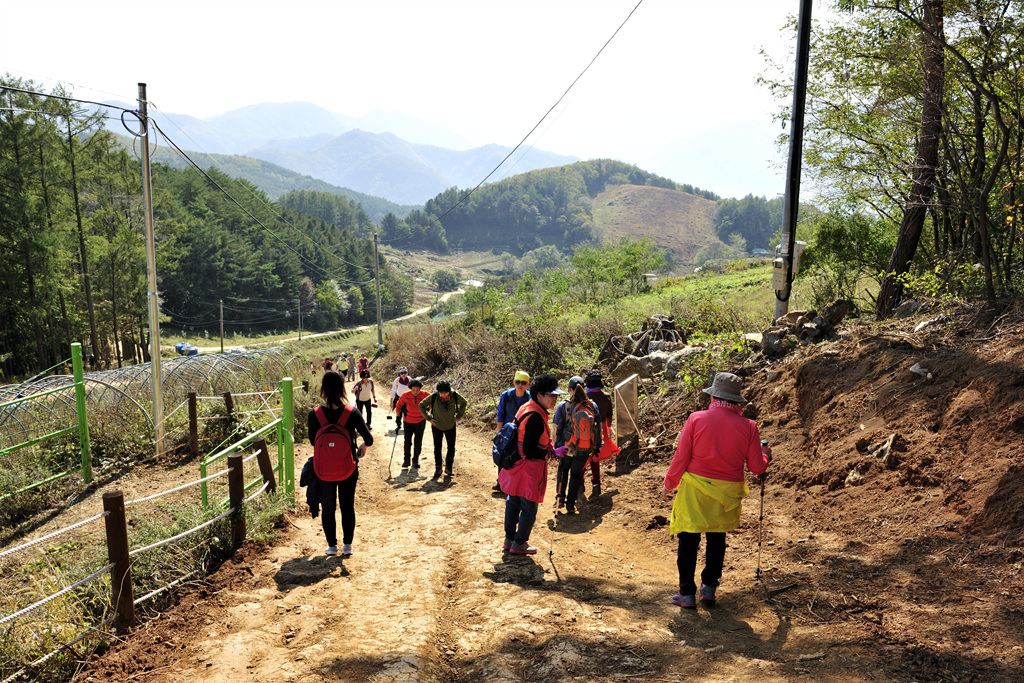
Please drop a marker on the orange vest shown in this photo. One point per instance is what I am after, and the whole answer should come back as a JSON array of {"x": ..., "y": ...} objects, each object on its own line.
[{"x": 545, "y": 438}]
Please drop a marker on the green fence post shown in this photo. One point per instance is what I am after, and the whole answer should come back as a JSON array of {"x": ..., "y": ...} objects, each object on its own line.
[
  {"x": 83, "y": 423},
  {"x": 288, "y": 418}
]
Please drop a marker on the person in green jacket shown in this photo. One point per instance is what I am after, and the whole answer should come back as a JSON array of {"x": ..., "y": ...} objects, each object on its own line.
[{"x": 443, "y": 409}]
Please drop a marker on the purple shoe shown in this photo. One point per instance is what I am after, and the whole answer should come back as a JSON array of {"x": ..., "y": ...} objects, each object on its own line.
[{"x": 687, "y": 601}]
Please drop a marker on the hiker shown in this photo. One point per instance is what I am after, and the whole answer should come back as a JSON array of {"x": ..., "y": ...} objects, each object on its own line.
[
  {"x": 352, "y": 367},
  {"x": 408, "y": 405},
  {"x": 569, "y": 477},
  {"x": 327, "y": 365},
  {"x": 364, "y": 364},
  {"x": 594, "y": 383},
  {"x": 707, "y": 468},
  {"x": 443, "y": 409},
  {"x": 343, "y": 366},
  {"x": 366, "y": 395},
  {"x": 342, "y": 490},
  {"x": 510, "y": 401},
  {"x": 399, "y": 387},
  {"x": 526, "y": 481}
]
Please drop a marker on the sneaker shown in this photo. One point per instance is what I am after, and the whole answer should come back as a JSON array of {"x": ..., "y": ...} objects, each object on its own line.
[
  {"x": 448, "y": 472},
  {"x": 405, "y": 464},
  {"x": 687, "y": 601},
  {"x": 437, "y": 473},
  {"x": 570, "y": 509},
  {"x": 415, "y": 464},
  {"x": 507, "y": 545},
  {"x": 707, "y": 594},
  {"x": 559, "y": 502},
  {"x": 496, "y": 487},
  {"x": 596, "y": 491},
  {"x": 522, "y": 549},
  {"x": 332, "y": 550},
  {"x": 346, "y": 550}
]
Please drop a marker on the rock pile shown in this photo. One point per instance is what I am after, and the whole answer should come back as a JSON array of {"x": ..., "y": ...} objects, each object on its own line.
[{"x": 803, "y": 327}]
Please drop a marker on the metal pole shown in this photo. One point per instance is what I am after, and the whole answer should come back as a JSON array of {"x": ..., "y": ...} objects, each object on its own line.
[
  {"x": 376, "y": 275},
  {"x": 791, "y": 206},
  {"x": 153, "y": 299},
  {"x": 300, "y": 318},
  {"x": 287, "y": 443},
  {"x": 80, "y": 407},
  {"x": 222, "y": 325}
]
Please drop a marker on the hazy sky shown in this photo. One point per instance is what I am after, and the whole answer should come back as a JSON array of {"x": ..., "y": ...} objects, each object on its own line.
[{"x": 674, "y": 92}]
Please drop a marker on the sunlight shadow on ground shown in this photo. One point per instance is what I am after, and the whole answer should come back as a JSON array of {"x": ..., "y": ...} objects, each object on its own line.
[{"x": 306, "y": 571}]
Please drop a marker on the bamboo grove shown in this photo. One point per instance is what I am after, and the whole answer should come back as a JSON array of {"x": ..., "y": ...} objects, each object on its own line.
[{"x": 72, "y": 255}]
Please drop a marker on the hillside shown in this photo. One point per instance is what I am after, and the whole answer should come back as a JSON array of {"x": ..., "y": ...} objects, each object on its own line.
[{"x": 675, "y": 220}]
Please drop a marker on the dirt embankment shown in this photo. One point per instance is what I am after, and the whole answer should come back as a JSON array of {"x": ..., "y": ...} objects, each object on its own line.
[{"x": 885, "y": 557}]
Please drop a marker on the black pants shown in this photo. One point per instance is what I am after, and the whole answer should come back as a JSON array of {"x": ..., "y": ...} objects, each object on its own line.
[
  {"x": 341, "y": 494},
  {"x": 414, "y": 431},
  {"x": 361, "y": 405},
  {"x": 449, "y": 436},
  {"x": 569, "y": 477},
  {"x": 687, "y": 560}
]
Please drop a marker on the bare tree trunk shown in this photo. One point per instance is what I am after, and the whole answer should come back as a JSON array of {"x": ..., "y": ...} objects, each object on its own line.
[
  {"x": 93, "y": 335},
  {"x": 925, "y": 165}
]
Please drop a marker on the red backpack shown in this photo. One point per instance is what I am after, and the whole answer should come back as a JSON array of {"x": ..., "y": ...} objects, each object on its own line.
[
  {"x": 582, "y": 427},
  {"x": 333, "y": 456}
]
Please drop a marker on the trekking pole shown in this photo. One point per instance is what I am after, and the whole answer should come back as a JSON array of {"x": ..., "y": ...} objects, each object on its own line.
[
  {"x": 393, "y": 457},
  {"x": 760, "y": 523}
]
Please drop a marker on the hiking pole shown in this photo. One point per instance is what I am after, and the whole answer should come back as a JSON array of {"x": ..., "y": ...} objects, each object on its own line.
[
  {"x": 396, "y": 443},
  {"x": 760, "y": 521}
]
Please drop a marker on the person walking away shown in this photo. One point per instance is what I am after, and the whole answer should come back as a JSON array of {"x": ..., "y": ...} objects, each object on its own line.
[
  {"x": 525, "y": 482},
  {"x": 569, "y": 476},
  {"x": 366, "y": 395},
  {"x": 336, "y": 459},
  {"x": 510, "y": 401},
  {"x": 399, "y": 387},
  {"x": 352, "y": 367},
  {"x": 594, "y": 384},
  {"x": 443, "y": 409},
  {"x": 707, "y": 474},
  {"x": 408, "y": 406}
]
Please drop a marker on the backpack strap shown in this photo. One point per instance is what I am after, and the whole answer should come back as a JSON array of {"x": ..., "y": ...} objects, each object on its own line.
[{"x": 346, "y": 413}]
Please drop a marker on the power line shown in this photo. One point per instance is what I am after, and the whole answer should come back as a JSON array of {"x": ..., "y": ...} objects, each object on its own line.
[
  {"x": 536, "y": 125},
  {"x": 258, "y": 198}
]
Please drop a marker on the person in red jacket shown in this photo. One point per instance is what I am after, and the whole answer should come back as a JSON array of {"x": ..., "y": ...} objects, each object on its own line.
[
  {"x": 707, "y": 468},
  {"x": 408, "y": 406},
  {"x": 526, "y": 481}
]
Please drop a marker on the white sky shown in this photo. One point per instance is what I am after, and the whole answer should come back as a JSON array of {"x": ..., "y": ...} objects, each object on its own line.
[{"x": 675, "y": 92}]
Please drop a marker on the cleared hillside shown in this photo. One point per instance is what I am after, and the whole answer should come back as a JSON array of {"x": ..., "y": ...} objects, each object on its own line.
[{"x": 675, "y": 220}]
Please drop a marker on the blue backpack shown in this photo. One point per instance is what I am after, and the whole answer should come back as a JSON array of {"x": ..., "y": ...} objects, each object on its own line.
[{"x": 505, "y": 451}]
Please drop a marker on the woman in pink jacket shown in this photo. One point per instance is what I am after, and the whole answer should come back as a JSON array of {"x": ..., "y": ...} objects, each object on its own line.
[
  {"x": 707, "y": 469},
  {"x": 526, "y": 481}
]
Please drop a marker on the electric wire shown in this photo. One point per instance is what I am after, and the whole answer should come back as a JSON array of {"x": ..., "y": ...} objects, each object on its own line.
[
  {"x": 255, "y": 195},
  {"x": 535, "y": 126}
]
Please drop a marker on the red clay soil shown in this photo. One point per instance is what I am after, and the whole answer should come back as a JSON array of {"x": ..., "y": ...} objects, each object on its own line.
[{"x": 891, "y": 550}]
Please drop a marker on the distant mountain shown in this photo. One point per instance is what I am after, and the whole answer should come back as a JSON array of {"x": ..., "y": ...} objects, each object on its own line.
[
  {"x": 386, "y": 154},
  {"x": 277, "y": 181}
]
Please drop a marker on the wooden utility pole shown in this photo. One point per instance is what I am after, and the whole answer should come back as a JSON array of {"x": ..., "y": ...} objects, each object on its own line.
[
  {"x": 152, "y": 298},
  {"x": 376, "y": 275},
  {"x": 222, "y": 325}
]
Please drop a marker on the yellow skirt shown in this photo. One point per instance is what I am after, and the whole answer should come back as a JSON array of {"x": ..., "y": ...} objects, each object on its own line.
[{"x": 705, "y": 504}]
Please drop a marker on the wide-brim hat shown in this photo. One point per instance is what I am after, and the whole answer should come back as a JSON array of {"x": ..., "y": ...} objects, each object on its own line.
[{"x": 726, "y": 386}]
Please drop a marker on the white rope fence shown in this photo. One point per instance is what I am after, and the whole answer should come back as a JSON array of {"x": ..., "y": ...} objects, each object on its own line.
[
  {"x": 177, "y": 488},
  {"x": 43, "y": 539},
  {"x": 63, "y": 591},
  {"x": 183, "y": 534},
  {"x": 47, "y": 657}
]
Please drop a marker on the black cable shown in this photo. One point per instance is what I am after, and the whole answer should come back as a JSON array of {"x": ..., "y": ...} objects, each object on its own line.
[
  {"x": 258, "y": 198},
  {"x": 62, "y": 97},
  {"x": 536, "y": 125}
]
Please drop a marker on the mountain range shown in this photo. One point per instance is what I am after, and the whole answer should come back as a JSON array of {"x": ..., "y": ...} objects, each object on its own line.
[{"x": 385, "y": 154}]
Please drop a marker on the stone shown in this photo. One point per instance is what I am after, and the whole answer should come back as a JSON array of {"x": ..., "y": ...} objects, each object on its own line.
[{"x": 854, "y": 478}]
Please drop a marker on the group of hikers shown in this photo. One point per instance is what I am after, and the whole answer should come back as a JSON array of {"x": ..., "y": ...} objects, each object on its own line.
[{"x": 706, "y": 474}]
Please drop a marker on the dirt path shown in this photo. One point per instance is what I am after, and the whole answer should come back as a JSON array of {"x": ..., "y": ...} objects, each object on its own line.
[{"x": 429, "y": 596}]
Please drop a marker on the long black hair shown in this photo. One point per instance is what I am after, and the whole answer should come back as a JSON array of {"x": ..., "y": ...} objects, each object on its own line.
[{"x": 332, "y": 389}]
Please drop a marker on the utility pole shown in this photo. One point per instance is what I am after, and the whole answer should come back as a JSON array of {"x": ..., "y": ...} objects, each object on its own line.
[
  {"x": 376, "y": 275},
  {"x": 152, "y": 298},
  {"x": 300, "y": 318},
  {"x": 782, "y": 275},
  {"x": 222, "y": 325}
]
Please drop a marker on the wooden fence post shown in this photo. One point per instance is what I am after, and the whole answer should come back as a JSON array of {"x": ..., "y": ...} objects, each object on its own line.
[
  {"x": 122, "y": 595},
  {"x": 266, "y": 467},
  {"x": 193, "y": 424},
  {"x": 229, "y": 404},
  {"x": 305, "y": 385},
  {"x": 236, "y": 492}
]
